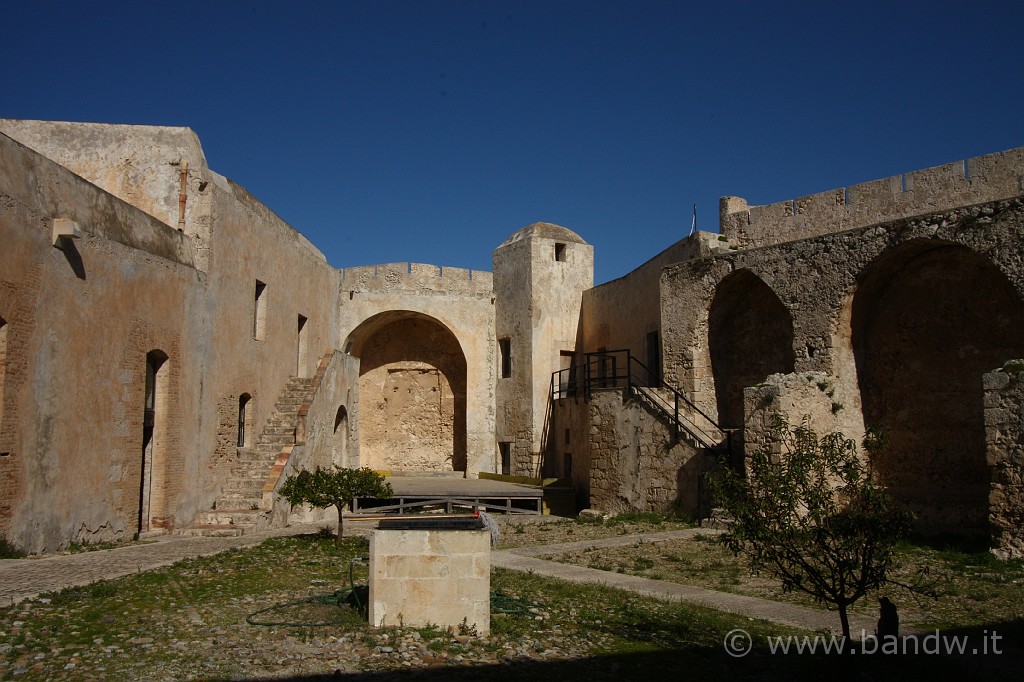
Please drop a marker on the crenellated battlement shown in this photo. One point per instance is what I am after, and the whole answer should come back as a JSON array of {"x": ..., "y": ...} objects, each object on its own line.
[
  {"x": 415, "y": 278},
  {"x": 963, "y": 183}
]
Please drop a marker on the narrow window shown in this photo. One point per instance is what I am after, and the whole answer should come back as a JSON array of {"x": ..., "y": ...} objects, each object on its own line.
[
  {"x": 560, "y": 253},
  {"x": 653, "y": 359},
  {"x": 302, "y": 341},
  {"x": 505, "y": 448},
  {"x": 259, "y": 316},
  {"x": 3, "y": 370},
  {"x": 152, "y": 502},
  {"x": 568, "y": 436},
  {"x": 243, "y": 419},
  {"x": 505, "y": 346}
]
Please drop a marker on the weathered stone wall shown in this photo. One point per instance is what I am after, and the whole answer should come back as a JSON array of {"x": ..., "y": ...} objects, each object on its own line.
[
  {"x": 80, "y": 321},
  {"x": 141, "y": 165},
  {"x": 323, "y": 424},
  {"x": 1004, "y": 435},
  {"x": 457, "y": 300},
  {"x": 513, "y": 323},
  {"x": 974, "y": 181},
  {"x": 621, "y": 313},
  {"x": 569, "y": 443},
  {"x": 636, "y": 466},
  {"x": 816, "y": 280},
  {"x": 413, "y": 398},
  {"x": 540, "y": 273},
  {"x": 811, "y": 397},
  {"x": 904, "y": 318}
]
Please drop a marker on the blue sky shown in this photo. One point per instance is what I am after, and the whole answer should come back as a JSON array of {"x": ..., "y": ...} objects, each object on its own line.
[{"x": 430, "y": 131}]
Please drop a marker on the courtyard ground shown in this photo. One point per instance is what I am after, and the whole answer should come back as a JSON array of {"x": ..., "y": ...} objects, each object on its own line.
[{"x": 193, "y": 619}]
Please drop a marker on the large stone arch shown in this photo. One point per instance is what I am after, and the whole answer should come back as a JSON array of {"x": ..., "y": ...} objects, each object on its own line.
[
  {"x": 928, "y": 319},
  {"x": 412, "y": 393},
  {"x": 750, "y": 335}
]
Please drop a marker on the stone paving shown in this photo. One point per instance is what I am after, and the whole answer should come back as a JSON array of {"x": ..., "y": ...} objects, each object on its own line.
[{"x": 22, "y": 579}]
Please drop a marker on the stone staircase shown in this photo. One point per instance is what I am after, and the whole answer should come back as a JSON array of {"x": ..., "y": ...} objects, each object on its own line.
[{"x": 242, "y": 504}]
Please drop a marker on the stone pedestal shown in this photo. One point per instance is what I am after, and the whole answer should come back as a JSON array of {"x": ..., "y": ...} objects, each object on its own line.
[{"x": 438, "y": 577}]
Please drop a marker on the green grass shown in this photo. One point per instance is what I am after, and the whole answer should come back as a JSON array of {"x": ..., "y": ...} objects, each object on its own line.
[{"x": 170, "y": 623}]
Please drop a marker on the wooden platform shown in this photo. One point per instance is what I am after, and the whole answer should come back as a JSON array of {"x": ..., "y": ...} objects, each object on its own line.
[{"x": 444, "y": 492}]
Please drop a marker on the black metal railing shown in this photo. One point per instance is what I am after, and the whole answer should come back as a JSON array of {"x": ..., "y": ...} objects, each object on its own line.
[{"x": 618, "y": 369}]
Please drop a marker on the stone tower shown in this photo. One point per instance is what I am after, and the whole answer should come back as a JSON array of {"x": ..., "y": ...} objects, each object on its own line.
[{"x": 540, "y": 273}]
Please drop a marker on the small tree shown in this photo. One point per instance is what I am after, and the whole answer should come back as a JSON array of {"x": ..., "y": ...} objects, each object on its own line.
[
  {"x": 334, "y": 487},
  {"x": 813, "y": 517}
]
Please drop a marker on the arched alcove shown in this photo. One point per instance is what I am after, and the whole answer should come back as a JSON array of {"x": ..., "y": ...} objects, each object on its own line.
[
  {"x": 750, "y": 335},
  {"x": 412, "y": 392},
  {"x": 928, "y": 319},
  {"x": 339, "y": 442}
]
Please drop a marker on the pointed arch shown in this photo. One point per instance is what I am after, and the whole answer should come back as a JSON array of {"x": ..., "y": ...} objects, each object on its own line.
[
  {"x": 928, "y": 319},
  {"x": 750, "y": 335}
]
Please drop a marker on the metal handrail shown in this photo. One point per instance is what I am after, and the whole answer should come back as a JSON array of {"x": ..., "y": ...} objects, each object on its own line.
[{"x": 568, "y": 383}]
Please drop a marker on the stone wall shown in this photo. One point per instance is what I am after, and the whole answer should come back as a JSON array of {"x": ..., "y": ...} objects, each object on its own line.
[
  {"x": 458, "y": 306},
  {"x": 810, "y": 398},
  {"x": 82, "y": 315},
  {"x": 636, "y": 466},
  {"x": 974, "y": 181},
  {"x": 1004, "y": 434},
  {"x": 80, "y": 322},
  {"x": 622, "y": 313}
]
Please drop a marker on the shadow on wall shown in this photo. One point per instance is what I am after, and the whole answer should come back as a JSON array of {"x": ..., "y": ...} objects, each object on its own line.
[{"x": 929, "y": 319}]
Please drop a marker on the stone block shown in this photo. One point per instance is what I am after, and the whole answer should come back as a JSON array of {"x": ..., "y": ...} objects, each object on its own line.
[{"x": 439, "y": 577}]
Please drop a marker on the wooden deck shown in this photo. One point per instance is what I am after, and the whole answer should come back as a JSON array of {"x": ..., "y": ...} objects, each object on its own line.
[{"x": 443, "y": 492}]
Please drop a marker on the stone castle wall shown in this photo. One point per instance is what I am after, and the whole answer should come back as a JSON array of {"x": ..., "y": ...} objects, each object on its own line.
[{"x": 974, "y": 181}]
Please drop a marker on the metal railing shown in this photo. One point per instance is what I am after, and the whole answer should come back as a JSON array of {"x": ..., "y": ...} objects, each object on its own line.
[{"x": 618, "y": 369}]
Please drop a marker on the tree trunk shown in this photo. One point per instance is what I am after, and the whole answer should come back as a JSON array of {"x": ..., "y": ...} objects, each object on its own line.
[
  {"x": 844, "y": 620},
  {"x": 341, "y": 522}
]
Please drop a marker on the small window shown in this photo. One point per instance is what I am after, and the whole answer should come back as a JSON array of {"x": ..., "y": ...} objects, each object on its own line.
[
  {"x": 259, "y": 314},
  {"x": 505, "y": 346},
  {"x": 505, "y": 448},
  {"x": 3, "y": 365},
  {"x": 568, "y": 436},
  {"x": 560, "y": 253},
  {"x": 243, "y": 419},
  {"x": 301, "y": 347}
]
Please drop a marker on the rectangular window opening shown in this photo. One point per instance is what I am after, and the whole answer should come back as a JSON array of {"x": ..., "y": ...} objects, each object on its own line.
[
  {"x": 505, "y": 449},
  {"x": 302, "y": 344},
  {"x": 505, "y": 347},
  {"x": 259, "y": 316},
  {"x": 560, "y": 252}
]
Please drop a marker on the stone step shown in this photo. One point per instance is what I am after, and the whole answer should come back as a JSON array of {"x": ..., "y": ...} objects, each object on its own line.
[
  {"x": 211, "y": 530},
  {"x": 246, "y": 483},
  {"x": 229, "y": 501},
  {"x": 245, "y": 518},
  {"x": 252, "y": 470}
]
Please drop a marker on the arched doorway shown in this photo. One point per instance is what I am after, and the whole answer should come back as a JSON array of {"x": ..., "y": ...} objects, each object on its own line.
[
  {"x": 750, "y": 335},
  {"x": 412, "y": 393},
  {"x": 928, "y": 319}
]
